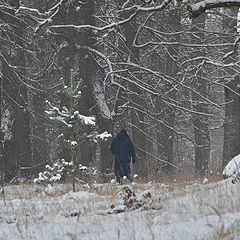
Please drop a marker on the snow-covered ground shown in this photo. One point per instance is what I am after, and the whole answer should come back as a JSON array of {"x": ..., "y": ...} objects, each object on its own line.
[{"x": 194, "y": 211}]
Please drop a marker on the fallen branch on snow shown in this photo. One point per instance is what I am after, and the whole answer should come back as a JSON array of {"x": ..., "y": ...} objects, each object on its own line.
[{"x": 133, "y": 202}]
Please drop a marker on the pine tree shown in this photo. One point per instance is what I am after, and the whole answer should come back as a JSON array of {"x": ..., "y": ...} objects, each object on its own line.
[{"x": 69, "y": 123}]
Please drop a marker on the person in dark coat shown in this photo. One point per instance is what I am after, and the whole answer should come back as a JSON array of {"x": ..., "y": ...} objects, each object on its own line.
[{"x": 123, "y": 150}]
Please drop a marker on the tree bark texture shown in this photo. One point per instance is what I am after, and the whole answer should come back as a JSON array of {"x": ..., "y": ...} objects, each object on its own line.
[
  {"x": 16, "y": 147},
  {"x": 166, "y": 138},
  {"x": 137, "y": 103},
  {"x": 200, "y": 121},
  {"x": 231, "y": 146}
]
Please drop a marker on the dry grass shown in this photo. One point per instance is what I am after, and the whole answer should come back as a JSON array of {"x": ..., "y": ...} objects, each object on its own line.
[
  {"x": 184, "y": 197},
  {"x": 230, "y": 232}
]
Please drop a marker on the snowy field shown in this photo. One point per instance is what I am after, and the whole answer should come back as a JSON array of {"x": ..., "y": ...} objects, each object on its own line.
[{"x": 193, "y": 211}]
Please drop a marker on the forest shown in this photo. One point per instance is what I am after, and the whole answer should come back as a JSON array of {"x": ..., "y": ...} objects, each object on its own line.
[{"x": 166, "y": 71}]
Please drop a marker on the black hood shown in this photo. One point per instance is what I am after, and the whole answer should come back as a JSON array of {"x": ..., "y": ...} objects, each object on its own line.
[{"x": 122, "y": 134}]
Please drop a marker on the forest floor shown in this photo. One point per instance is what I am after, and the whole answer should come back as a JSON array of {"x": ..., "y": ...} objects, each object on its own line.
[{"x": 175, "y": 212}]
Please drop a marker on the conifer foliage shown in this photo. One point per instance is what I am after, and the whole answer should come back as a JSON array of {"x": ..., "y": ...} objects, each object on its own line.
[
  {"x": 70, "y": 123},
  {"x": 61, "y": 171}
]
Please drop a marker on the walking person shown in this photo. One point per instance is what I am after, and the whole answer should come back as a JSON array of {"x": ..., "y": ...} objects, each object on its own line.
[{"x": 123, "y": 150}]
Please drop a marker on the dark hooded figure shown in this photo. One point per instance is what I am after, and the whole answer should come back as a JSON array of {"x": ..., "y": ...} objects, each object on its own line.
[{"x": 123, "y": 150}]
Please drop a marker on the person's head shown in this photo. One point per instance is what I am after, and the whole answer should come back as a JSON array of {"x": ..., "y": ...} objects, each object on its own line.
[{"x": 122, "y": 132}]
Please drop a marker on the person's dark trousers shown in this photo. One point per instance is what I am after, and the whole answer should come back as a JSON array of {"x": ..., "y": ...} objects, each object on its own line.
[{"x": 122, "y": 169}]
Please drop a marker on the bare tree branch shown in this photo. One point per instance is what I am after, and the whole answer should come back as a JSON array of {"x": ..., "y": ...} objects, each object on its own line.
[{"x": 196, "y": 9}]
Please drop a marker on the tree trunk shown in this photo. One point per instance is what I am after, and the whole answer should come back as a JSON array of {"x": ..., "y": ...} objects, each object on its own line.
[
  {"x": 16, "y": 144},
  {"x": 200, "y": 122},
  {"x": 231, "y": 145},
  {"x": 2, "y": 165},
  {"x": 167, "y": 134},
  {"x": 137, "y": 103},
  {"x": 232, "y": 122}
]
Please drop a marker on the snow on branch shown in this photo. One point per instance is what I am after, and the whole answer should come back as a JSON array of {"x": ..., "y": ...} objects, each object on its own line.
[
  {"x": 95, "y": 29},
  {"x": 104, "y": 136},
  {"x": 33, "y": 10},
  {"x": 85, "y": 119},
  {"x": 50, "y": 14},
  {"x": 107, "y": 60},
  {"x": 47, "y": 13},
  {"x": 149, "y": 9},
  {"x": 47, "y": 17},
  {"x": 12, "y": 67},
  {"x": 234, "y": 49},
  {"x": 196, "y": 9},
  {"x": 7, "y": 16}
]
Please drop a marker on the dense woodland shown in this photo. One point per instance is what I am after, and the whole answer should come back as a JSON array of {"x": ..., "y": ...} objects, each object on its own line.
[{"x": 172, "y": 81}]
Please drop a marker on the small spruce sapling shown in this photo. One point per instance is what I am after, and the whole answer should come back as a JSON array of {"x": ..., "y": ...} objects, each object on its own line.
[
  {"x": 69, "y": 123},
  {"x": 61, "y": 171}
]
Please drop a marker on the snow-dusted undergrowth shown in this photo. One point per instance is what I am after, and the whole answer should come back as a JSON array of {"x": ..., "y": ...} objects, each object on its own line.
[
  {"x": 232, "y": 169},
  {"x": 196, "y": 211}
]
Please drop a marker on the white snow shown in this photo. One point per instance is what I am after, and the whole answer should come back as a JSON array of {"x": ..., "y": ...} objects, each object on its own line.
[
  {"x": 194, "y": 211},
  {"x": 100, "y": 96},
  {"x": 55, "y": 178},
  {"x": 113, "y": 181},
  {"x": 61, "y": 119},
  {"x": 6, "y": 125},
  {"x": 83, "y": 168},
  {"x": 49, "y": 189},
  {"x": 73, "y": 143},
  {"x": 81, "y": 195},
  {"x": 205, "y": 180},
  {"x": 103, "y": 136},
  {"x": 232, "y": 169},
  {"x": 85, "y": 119}
]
